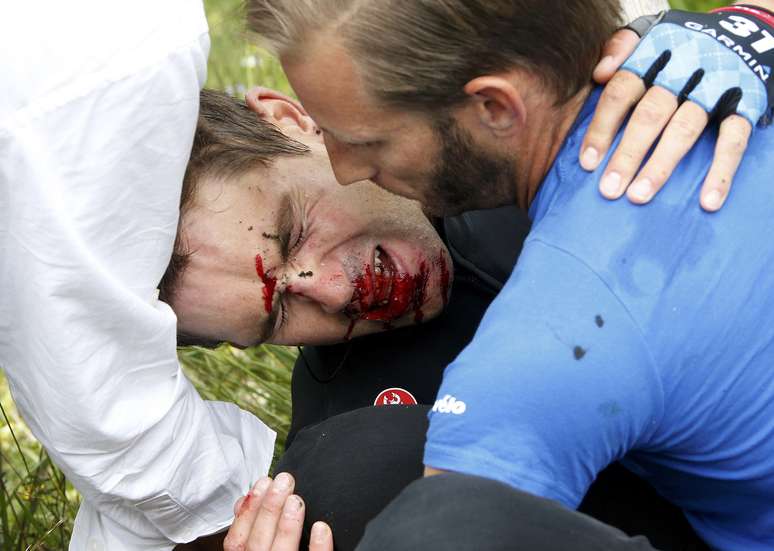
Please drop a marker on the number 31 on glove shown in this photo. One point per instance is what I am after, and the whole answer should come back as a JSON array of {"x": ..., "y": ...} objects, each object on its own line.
[{"x": 726, "y": 69}]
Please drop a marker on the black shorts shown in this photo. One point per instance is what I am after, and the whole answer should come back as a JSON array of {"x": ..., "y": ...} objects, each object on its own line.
[{"x": 351, "y": 466}]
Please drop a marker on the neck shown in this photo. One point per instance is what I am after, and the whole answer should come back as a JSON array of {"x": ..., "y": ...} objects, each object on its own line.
[{"x": 545, "y": 134}]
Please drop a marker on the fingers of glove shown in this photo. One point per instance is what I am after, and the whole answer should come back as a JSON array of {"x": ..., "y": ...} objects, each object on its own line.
[
  {"x": 269, "y": 513},
  {"x": 614, "y": 53},
  {"x": 246, "y": 511},
  {"x": 646, "y": 123},
  {"x": 733, "y": 138},
  {"x": 678, "y": 138},
  {"x": 289, "y": 526},
  {"x": 321, "y": 538},
  {"x": 621, "y": 93}
]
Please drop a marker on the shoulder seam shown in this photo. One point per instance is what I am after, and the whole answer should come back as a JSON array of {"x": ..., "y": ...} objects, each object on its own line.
[{"x": 651, "y": 359}]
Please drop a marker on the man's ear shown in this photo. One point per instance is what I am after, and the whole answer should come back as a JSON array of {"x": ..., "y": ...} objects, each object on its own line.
[
  {"x": 499, "y": 105},
  {"x": 277, "y": 108}
]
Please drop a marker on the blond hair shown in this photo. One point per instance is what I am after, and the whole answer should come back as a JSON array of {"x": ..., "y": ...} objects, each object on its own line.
[{"x": 419, "y": 54}]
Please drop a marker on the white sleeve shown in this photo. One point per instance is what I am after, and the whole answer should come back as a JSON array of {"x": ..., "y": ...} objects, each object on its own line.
[
  {"x": 97, "y": 112},
  {"x": 632, "y": 9}
]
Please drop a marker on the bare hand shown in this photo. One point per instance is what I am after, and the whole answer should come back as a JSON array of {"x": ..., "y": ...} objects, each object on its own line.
[
  {"x": 656, "y": 114},
  {"x": 271, "y": 518}
]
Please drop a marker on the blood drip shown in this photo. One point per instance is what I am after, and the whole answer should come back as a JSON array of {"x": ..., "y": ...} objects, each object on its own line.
[
  {"x": 420, "y": 292},
  {"x": 245, "y": 504},
  {"x": 269, "y": 284}
]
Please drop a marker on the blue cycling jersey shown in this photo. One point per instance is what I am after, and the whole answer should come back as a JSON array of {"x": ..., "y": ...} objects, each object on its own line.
[{"x": 635, "y": 333}]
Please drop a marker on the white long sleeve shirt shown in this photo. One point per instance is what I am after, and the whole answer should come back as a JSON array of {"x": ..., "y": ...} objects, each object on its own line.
[
  {"x": 98, "y": 106},
  {"x": 632, "y": 9}
]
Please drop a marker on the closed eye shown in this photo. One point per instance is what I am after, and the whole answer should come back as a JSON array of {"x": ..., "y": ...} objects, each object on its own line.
[
  {"x": 283, "y": 317},
  {"x": 299, "y": 240},
  {"x": 289, "y": 218},
  {"x": 289, "y": 245}
]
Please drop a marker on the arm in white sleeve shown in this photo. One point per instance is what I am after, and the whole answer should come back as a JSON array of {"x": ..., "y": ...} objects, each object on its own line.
[
  {"x": 632, "y": 9},
  {"x": 97, "y": 115}
]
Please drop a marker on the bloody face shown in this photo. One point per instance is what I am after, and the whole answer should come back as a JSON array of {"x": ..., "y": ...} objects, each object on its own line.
[{"x": 286, "y": 255}]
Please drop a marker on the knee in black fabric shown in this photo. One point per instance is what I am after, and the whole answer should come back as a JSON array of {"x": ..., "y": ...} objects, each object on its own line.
[
  {"x": 459, "y": 512},
  {"x": 349, "y": 467},
  {"x": 620, "y": 498}
]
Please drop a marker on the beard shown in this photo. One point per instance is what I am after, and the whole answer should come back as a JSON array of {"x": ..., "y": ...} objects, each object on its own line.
[{"x": 466, "y": 177}]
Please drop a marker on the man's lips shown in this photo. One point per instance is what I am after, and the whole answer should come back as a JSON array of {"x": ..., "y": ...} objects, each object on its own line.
[
  {"x": 384, "y": 271},
  {"x": 373, "y": 287},
  {"x": 384, "y": 293}
]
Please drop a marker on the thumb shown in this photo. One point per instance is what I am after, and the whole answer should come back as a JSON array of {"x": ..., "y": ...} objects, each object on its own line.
[
  {"x": 619, "y": 47},
  {"x": 321, "y": 538}
]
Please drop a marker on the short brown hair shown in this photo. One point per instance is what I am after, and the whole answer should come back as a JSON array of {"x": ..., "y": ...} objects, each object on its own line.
[
  {"x": 419, "y": 54},
  {"x": 229, "y": 141}
]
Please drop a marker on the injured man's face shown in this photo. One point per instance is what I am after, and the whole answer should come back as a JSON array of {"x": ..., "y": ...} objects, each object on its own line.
[{"x": 284, "y": 254}]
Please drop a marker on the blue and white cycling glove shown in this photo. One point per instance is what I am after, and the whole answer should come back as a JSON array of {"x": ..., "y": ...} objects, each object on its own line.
[{"x": 720, "y": 60}]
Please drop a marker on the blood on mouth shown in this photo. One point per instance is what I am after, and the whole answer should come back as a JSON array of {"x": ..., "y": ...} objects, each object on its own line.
[{"x": 385, "y": 295}]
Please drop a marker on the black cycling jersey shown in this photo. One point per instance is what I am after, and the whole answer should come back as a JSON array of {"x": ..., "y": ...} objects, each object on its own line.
[{"x": 409, "y": 362}]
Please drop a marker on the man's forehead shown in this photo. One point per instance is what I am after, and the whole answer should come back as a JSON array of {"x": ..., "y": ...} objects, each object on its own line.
[
  {"x": 329, "y": 84},
  {"x": 228, "y": 206},
  {"x": 224, "y": 192}
]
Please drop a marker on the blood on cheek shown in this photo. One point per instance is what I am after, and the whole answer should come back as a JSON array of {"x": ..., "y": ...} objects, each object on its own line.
[
  {"x": 269, "y": 284},
  {"x": 378, "y": 298}
]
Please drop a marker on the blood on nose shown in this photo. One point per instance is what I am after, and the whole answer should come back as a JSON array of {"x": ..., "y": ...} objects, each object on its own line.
[
  {"x": 330, "y": 290},
  {"x": 299, "y": 289}
]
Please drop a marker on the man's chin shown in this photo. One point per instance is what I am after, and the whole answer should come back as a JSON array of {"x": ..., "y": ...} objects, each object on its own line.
[
  {"x": 436, "y": 210},
  {"x": 448, "y": 210},
  {"x": 364, "y": 327}
]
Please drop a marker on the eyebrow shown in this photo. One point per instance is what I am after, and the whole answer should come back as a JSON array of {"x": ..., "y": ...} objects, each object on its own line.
[
  {"x": 267, "y": 327},
  {"x": 284, "y": 224}
]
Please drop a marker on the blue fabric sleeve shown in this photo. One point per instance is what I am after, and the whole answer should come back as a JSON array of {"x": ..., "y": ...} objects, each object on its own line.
[{"x": 557, "y": 383}]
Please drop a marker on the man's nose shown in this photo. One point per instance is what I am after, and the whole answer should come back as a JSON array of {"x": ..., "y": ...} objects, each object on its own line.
[
  {"x": 349, "y": 163},
  {"x": 329, "y": 288}
]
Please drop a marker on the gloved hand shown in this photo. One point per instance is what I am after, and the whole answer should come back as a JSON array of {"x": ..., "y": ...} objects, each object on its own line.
[
  {"x": 726, "y": 70},
  {"x": 688, "y": 68}
]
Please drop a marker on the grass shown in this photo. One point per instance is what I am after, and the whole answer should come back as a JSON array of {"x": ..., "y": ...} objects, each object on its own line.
[
  {"x": 37, "y": 505},
  {"x": 235, "y": 63}
]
